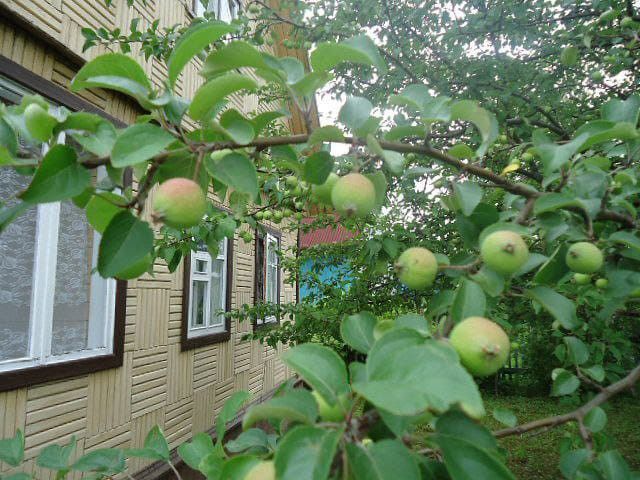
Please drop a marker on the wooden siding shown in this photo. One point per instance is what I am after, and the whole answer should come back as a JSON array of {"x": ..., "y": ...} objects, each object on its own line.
[{"x": 158, "y": 383}]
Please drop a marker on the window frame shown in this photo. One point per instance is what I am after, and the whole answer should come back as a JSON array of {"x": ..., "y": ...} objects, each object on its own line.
[
  {"x": 77, "y": 363},
  {"x": 214, "y": 6},
  {"x": 214, "y": 335},
  {"x": 265, "y": 237}
]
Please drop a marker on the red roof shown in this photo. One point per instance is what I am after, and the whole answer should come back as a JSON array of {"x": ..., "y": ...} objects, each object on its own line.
[{"x": 331, "y": 234}]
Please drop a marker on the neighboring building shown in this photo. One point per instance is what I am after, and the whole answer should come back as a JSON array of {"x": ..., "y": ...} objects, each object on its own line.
[
  {"x": 325, "y": 270},
  {"x": 97, "y": 359}
]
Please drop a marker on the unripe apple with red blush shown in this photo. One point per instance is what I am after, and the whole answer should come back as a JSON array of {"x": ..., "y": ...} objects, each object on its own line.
[{"x": 179, "y": 203}]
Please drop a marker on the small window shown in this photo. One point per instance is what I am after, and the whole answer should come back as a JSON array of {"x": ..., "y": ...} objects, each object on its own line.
[
  {"x": 54, "y": 307},
  {"x": 207, "y": 293},
  {"x": 225, "y": 10},
  {"x": 267, "y": 269}
]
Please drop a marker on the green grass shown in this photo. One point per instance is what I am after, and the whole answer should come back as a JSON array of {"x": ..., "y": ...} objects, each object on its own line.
[{"x": 537, "y": 456}]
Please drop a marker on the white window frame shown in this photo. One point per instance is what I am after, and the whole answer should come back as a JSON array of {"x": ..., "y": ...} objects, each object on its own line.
[
  {"x": 211, "y": 326},
  {"x": 216, "y": 6},
  {"x": 102, "y": 296},
  {"x": 270, "y": 240}
]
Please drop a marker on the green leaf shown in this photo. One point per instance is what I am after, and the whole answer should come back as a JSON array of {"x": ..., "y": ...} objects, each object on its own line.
[
  {"x": 461, "y": 150},
  {"x": 253, "y": 439},
  {"x": 229, "y": 412},
  {"x": 102, "y": 208},
  {"x": 12, "y": 449},
  {"x": 263, "y": 120},
  {"x": 193, "y": 452},
  {"x": 613, "y": 466},
  {"x": 56, "y": 457},
  {"x": 401, "y": 132},
  {"x": 554, "y": 268},
  {"x": 616, "y": 110},
  {"x": 484, "y": 121},
  {"x": 306, "y": 453},
  {"x": 357, "y": 331},
  {"x": 554, "y": 201},
  {"x": 106, "y": 461},
  {"x": 321, "y": 367},
  {"x": 236, "y": 55},
  {"x": 561, "y": 308},
  {"x": 114, "y": 71},
  {"x": 99, "y": 141},
  {"x": 405, "y": 377},
  {"x": 571, "y": 461},
  {"x": 466, "y": 461},
  {"x": 469, "y": 301},
  {"x": 384, "y": 460},
  {"x": 238, "y": 467},
  {"x": 355, "y": 112},
  {"x": 555, "y": 156},
  {"x": 564, "y": 384},
  {"x": 394, "y": 161},
  {"x": 59, "y": 177},
  {"x": 238, "y": 128},
  {"x": 380, "y": 183},
  {"x": 578, "y": 351},
  {"x": 139, "y": 143},
  {"x": 468, "y": 195},
  {"x": 329, "y": 133},
  {"x": 125, "y": 241},
  {"x": 626, "y": 238},
  {"x": 9, "y": 214},
  {"x": 215, "y": 90},
  {"x": 418, "y": 98},
  {"x": 157, "y": 443},
  {"x": 317, "y": 167},
  {"x": 505, "y": 416},
  {"x": 360, "y": 49},
  {"x": 596, "y": 372},
  {"x": 456, "y": 424},
  {"x": 491, "y": 282},
  {"x": 236, "y": 171},
  {"x": 8, "y": 138},
  {"x": 414, "y": 321},
  {"x": 295, "y": 406},
  {"x": 595, "y": 420},
  {"x": 192, "y": 42},
  {"x": 601, "y": 131}
]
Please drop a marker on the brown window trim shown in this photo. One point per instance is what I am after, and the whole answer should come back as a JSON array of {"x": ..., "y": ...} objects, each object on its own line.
[
  {"x": 259, "y": 234},
  {"x": 26, "y": 377},
  {"x": 219, "y": 337}
]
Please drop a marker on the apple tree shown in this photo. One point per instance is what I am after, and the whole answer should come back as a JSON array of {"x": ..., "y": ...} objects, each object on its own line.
[{"x": 532, "y": 200}]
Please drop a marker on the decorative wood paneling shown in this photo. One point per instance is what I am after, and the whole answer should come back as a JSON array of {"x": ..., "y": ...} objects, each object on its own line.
[
  {"x": 180, "y": 379},
  {"x": 204, "y": 403},
  {"x": 149, "y": 380},
  {"x": 178, "y": 422}
]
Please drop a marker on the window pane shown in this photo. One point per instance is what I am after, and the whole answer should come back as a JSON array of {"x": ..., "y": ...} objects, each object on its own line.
[
  {"x": 198, "y": 303},
  {"x": 273, "y": 284},
  {"x": 73, "y": 283},
  {"x": 218, "y": 293},
  {"x": 201, "y": 266},
  {"x": 17, "y": 249}
]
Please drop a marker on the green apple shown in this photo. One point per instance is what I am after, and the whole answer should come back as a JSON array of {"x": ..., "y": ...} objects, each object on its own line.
[
  {"x": 416, "y": 268},
  {"x": 291, "y": 181},
  {"x": 504, "y": 251},
  {"x": 584, "y": 257},
  {"x": 179, "y": 203},
  {"x": 581, "y": 278},
  {"x": 569, "y": 56},
  {"x": 483, "y": 346},
  {"x": 354, "y": 195},
  {"x": 602, "y": 283}
]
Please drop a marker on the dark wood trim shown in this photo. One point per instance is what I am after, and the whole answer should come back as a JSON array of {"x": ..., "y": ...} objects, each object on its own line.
[
  {"x": 27, "y": 377},
  {"x": 260, "y": 237},
  {"x": 187, "y": 343},
  {"x": 46, "y": 88}
]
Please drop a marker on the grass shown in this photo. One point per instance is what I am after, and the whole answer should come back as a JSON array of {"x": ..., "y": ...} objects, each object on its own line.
[{"x": 537, "y": 456}]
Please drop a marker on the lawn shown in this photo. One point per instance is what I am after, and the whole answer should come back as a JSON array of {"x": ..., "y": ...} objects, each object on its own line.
[{"x": 536, "y": 456}]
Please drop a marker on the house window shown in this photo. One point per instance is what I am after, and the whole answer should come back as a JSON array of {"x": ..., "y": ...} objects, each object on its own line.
[
  {"x": 225, "y": 10},
  {"x": 267, "y": 283},
  {"x": 207, "y": 293},
  {"x": 54, "y": 307}
]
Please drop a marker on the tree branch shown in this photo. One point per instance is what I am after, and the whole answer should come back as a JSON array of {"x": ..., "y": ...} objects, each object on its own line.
[{"x": 578, "y": 414}]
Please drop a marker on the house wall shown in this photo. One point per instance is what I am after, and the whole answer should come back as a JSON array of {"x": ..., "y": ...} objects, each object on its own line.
[{"x": 157, "y": 383}]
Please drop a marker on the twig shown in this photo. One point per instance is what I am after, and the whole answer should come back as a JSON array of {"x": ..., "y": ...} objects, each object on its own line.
[{"x": 574, "y": 416}]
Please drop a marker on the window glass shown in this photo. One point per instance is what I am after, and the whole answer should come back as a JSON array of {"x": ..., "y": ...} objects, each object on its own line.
[
  {"x": 17, "y": 250},
  {"x": 198, "y": 302},
  {"x": 218, "y": 293}
]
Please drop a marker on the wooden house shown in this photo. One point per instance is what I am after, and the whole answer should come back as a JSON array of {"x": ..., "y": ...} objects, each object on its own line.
[{"x": 106, "y": 360}]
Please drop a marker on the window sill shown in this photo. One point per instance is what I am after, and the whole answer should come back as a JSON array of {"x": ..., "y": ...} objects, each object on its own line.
[{"x": 189, "y": 343}]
